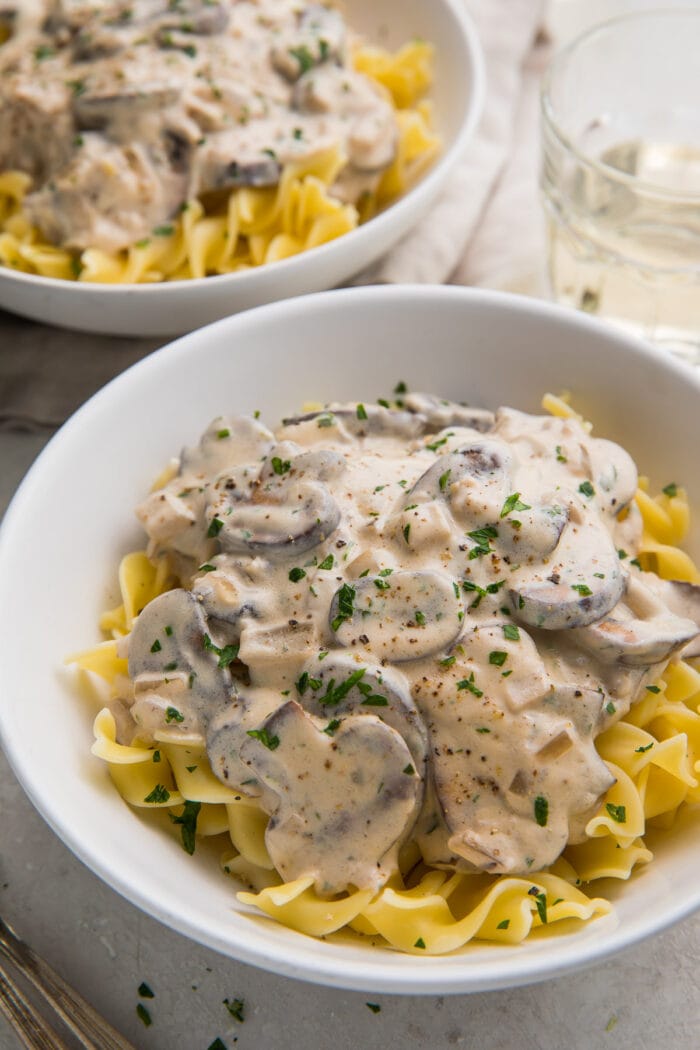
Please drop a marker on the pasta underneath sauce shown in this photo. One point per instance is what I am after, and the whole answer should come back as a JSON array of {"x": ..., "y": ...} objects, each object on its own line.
[
  {"x": 428, "y": 668},
  {"x": 150, "y": 140}
]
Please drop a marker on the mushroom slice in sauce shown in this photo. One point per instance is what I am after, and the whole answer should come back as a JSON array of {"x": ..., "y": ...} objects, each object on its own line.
[
  {"x": 172, "y": 656},
  {"x": 228, "y": 160},
  {"x": 579, "y": 584},
  {"x": 682, "y": 598},
  {"x": 439, "y": 413},
  {"x": 507, "y": 658},
  {"x": 372, "y": 421},
  {"x": 613, "y": 474},
  {"x": 319, "y": 36},
  {"x": 642, "y": 632},
  {"x": 227, "y": 441},
  {"x": 337, "y": 686},
  {"x": 95, "y": 109},
  {"x": 531, "y": 533},
  {"x": 339, "y": 803},
  {"x": 475, "y": 472},
  {"x": 401, "y": 616}
]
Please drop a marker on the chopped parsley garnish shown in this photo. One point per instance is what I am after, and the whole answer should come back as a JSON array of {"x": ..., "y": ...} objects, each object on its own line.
[
  {"x": 156, "y": 756},
  {"x": 448, "y": 661},
  {"x": 382, "y": 585},
  {"x": 513, "y": 502},
  {"x": 327, "y": 563},
  {"x": 561, "y": 458},
  {"x": 303, "y": 57},
  {"x": 298, "y": 134},
  {"x": 280, "y": 466},
  {"x": 346, "y": 605},
  {"x": 541, "y": 899},
  {"x": 226, "y": 655},
  {"x": 375, "y": 700},
  {"x": 297, "y": 574},
  {"x": 169, "y": 631},
  {"x": 236, "y": 1008},
  {"x": 361, "y": 412},
  {"x": 223, "y": 433},
  {"x": 482, "y": 729},
  {"x": 145, "y": 991},
  {"x": 511, "y": 632},
  {"x": 644, "y": 747},
  {"x": 383, "y": 402},
  {"x": 385, "y": 572},
  {"x": 374, "y": 1007},
  {"x": 419, "y": 618},
  {"x": 400, "y": 387},
  {"x": 541, "y": 808},
  {"x": 622, "y": 554},
  {"x": 76, "y": 86},
  {"x": 444, "y": 480},
  {"x": 215, "y": 527},
  {"x": 435, "y": 445},
  {"x": 173, "y": 715},
  {"x": 653, "y": 689},
  {"x": 670, "y": 490},
  {"x": 618, "y": 813},
  {"x": 503, "y": 924},
  {"x": 188, "y": 824},
  {"x": 302, "y": 683},
  {"x": 143, "y": 243},
  {"x": 470, "y": 684},
  {"x": 168, "y": 231},
  {"x": 586, "y": 489},
  {"x": 218, "y": 1044},
  {"x": 270, "y": 742},
  {"x": 636, "y": 562},
  {"x": 207, "y": 568},
  {"x": 143, "y": 1013},
  {"x": 156, "y": 647},
  {"x": 332, "y": 726},
  {"x": 327, "y": 420},
  {"x": 406, "y": 532},
  {"x": 610, "y": 708},
  {"x": 43, "y": 51},
  {"x": 420, "y": 943},
  {"x": 158, "y": 796},
  {"x": 171, "y": 666},
  {"x": 482, "y": 538},
  {"x": 583, "y": 589},
  {"x": 334, "y": 694},
  {"x": 409, "y": 770},
  {"x": 497, "y": 657}
]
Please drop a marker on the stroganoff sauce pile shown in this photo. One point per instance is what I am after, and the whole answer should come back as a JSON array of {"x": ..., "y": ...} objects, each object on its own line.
[{"x": 402, "y": 624}]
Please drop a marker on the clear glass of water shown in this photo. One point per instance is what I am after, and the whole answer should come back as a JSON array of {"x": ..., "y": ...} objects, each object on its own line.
[{"x": 621, "y": 175}]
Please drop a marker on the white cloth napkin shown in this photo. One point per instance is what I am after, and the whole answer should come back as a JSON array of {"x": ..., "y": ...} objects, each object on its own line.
[{"x": 486, "y": 228}]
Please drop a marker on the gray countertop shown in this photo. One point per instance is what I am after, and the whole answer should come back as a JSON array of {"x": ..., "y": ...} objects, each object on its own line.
[{"x": 646, "y": 997}]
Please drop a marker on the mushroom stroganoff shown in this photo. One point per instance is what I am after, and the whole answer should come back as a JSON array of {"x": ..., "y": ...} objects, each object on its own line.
[{"x": 400, "y": 630}]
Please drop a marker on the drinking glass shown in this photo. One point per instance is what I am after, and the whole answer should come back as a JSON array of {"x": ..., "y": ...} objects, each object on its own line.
[{"x": 621, "y": 175}]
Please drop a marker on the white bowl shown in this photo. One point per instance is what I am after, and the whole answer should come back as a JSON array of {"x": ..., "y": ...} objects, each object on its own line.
[
  {"x": 72, "y": 519},
  {"x": 180, "y": 306}
]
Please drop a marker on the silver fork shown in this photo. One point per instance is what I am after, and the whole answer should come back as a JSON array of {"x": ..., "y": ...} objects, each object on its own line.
[{"x": 91, "y": 1030}]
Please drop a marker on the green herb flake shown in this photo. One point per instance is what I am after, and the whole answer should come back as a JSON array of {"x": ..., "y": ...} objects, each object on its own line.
[
  {"x": 207, "y": 568},
  {"x": 400, "y": 388},
  {"x": 374, "y": 1007},
  {"x": 145, "y": 991},
  {"x": 223, "y": 433},
  {"x": 653, "y": 689},
  {"x": 382, "y": 585},
  {"x": 303, "y": 57},
  {"x": 218, "y": 1044},
  {"x": 158, "y": 796},
  {"x": 618, "y": 813},
  {"x": 636, "y": 562},
  {"x": 156, "y": 647},
  {"x": 610, "y": 708},
  {"x": 541, "y": 900},
  {"x": 448, "y": 661},
  {"x": 583, "y": 589},
  {"x": 188, "y": 824},
  {"x": 611, "y": 1023},
  {"x": 173, "y": 715},
  {"x": 497, "y": 657},
  {"x": 513, "y": 502},
  {"x": 406, "y": 532},
  {"x": 236, "y": 1007},
  {"x": 346, "y": 606},
  {"x": 190, "y": 769},
  {"x": 561, "y": 458},
  {"x": 482, "y": 729},
  {"x": 503, "y": 924},
  {"x": 541, "y": 808},
  {"x": 169, "y": 631},
  {"x": 44, "y": 51},
  {"x": 586, "y": 489},
  {"x": 296, "y": 574},
  {"x": 215, "y": 527},
  {"x": 419, "y": 618},
  {"x": 622, "y": 554},
  {"x": 164, "y": 231},
  {"x": 332, "y": 726},
  {"x": 444, "y": 480},
  {"x": 420, "y": 943},
  {"x": 144, "y": 1015},
  {"x": 470, "y": 685},
  {"x": 327, "y": 420},
  {"x": 270, "y": 742},
  {"x": 375, "y": 700},
  {"x": 156, "y": 756},
  {"x": 670, "y": 490},
  {"x": 327, "y": 563},
  {"x": 644, "y": 747},
  {"x": 334, "y": 694},
  {"x": 511, "y": 632},
  {"x": 172, "y": 666},
  {"x": 383, "y": 402},
  {"x": 361, "y": 412},
  {"x": 143, "y": 243},
  {"x": 280, "y": 466}
]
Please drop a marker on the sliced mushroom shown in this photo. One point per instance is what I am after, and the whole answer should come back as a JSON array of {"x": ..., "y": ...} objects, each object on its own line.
[
  {"x": 172, "y": 657},
  {"x": 398, "y": 616},
  {"x": 613, "y": 474},
  {"x": 644, "y": 630},
  {"x": 532, "y": 532},
  {"x": 231, "y": 159},
  {"x": 337, "y": 687},
  {"x": 95, "y": 109},
  {"x": 226, "y": 596},
  {"x": 483, "y": 463},
  {"x": 374, "y": 420},
  {"x": 579, "y": 584},
  {"x": 227, "y": 441},
  {"x": 318, "y": 38},
  {"x": 227, "y": 732},
  {"x": 350, "y": 793},
  {"x": 201, "y": 17},
  {"x": 440, "y": 413},
  {"x": 522, "y": 677}
]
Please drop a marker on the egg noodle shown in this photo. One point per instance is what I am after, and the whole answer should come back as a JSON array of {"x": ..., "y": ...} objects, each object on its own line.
[
  {"x": 252, "y": 226},
  {"x": 653, "y": 753}
]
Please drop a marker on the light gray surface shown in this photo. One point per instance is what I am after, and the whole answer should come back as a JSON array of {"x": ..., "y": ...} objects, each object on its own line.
[{"x": 645, "y": 998}]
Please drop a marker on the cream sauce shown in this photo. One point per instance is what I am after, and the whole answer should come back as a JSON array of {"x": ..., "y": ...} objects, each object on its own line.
[
  {"x": 123, "y": 110},
  {"x": 403, "y": 624}
]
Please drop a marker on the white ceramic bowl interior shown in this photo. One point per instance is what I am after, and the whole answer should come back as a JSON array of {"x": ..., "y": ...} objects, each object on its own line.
[
  {"x": 72, "y": 519},
  {"x": 180, "y": 306}
]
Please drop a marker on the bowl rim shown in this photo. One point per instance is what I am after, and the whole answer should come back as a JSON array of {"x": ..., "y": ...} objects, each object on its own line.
[
  {"x": 383, "y": 971},
  {"x": 416, "y": 195}
]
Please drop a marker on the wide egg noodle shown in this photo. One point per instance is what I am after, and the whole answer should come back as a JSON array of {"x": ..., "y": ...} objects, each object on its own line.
[
  {"x": 258, "y": 225},
  {"x": 654, "y": 753}
]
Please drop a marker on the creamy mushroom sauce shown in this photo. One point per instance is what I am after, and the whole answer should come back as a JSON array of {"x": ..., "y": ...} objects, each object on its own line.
[
  {"x": 123, "y": 110},
  {"x": 402, "y": 624}
]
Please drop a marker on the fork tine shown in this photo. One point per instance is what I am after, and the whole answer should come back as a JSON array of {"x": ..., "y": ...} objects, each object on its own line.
[{"x": 34, "y": 1032}]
